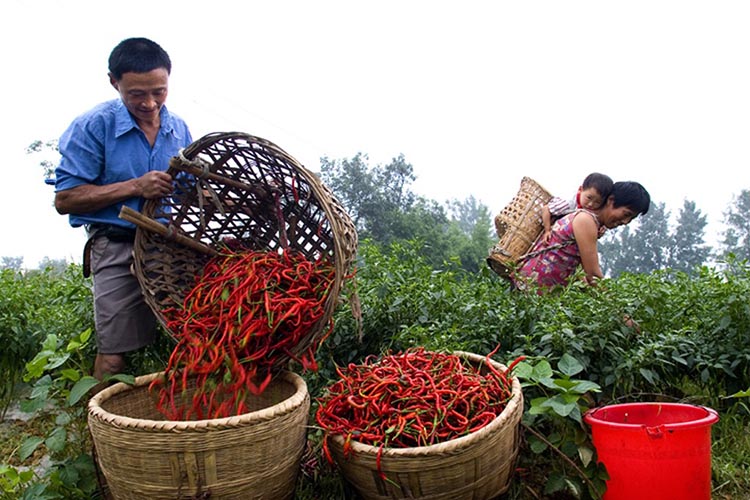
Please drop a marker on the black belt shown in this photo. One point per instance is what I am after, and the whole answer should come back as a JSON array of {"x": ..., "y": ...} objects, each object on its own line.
[{"x": 114, "y": 233}]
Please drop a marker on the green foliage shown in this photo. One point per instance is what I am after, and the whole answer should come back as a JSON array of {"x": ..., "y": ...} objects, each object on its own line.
[
  {"x": 651, "y": 244},
  {"x": 47, "y": 154},
  {"x": 666, "y": 334},
  {"x": 736, "y": 237},
  {"x": 385, "y": 210},
  {"x": 58, "y": 372},
  {"x": 32, "y": 305},
  {"x": 557, "y": 403},
  {"x": 687, "y": 249}
]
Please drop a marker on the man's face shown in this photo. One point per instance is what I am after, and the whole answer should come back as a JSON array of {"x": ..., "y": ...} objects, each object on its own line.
[
  {"x": 143, "y": 93},
  {"x": 590, "y": 199}
]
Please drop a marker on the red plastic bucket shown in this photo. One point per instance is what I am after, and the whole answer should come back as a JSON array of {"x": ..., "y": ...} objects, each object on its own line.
[{"x": 654, "y": 450}]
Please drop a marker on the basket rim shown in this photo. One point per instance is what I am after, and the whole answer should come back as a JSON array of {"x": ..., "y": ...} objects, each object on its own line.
[
  {"x": 288, "y": 405},
  {"x": 456, "y": 444}
]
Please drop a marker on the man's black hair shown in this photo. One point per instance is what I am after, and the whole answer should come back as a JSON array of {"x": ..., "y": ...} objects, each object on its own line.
[
  {"x": 632, "y": 195},
  {"x": 137, "y": 55},
  {"x": 602, "y": 183}
]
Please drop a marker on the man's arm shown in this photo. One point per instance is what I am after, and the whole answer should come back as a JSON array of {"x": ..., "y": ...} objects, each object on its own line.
[{"x": 90, "y": 198}]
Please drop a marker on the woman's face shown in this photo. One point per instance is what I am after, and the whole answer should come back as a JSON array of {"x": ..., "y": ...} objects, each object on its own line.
[{"x": 613, "y": 217}]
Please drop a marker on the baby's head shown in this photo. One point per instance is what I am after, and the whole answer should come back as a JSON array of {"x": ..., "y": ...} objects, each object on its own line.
[{"x": 594, "y": 191}]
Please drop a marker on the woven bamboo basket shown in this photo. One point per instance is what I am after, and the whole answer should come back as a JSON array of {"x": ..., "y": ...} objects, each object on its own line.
[
  {"x": 234, "y": 186},
  {"x": 476, "y": 466},
  {"x": 518, "y": 226},
  {"x": 250, "y": 456}
]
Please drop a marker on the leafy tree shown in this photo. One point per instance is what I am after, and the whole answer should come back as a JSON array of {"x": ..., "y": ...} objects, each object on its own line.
[
  {"x": 736, "y": 237},
  {"x": 472, "y": 221},
  {"x": 687, "y": 249},
  {"x": 48, "y": 150},
  {"x": 12, "y": 263},
  {"x": 642, "y": 249},
  {"x": 614, "y": 253},
  {"x": 385, "y": 210},
  {"x": 55, "y": 265}
]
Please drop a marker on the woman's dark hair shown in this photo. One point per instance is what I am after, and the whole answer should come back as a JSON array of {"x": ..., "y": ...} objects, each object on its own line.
[
  {"x": 602, "y": 183},
  {"x": 632, "y": 195},
  {"x": 137, "y": 55}
]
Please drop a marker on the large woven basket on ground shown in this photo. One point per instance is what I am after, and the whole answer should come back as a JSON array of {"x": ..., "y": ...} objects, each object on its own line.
[
  {"x": 251, "y": 456},
  {"x": 518, "y": 226},
  {"x": 236, "y": 186},
  {"x": 476, "y": 466}
]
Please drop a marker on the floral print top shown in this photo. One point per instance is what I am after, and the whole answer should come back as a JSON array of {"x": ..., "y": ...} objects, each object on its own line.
[{"x": 557, "y": 259}]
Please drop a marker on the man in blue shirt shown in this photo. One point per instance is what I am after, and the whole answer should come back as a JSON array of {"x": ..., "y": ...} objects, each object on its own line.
[{"x": 113, "y": 155}]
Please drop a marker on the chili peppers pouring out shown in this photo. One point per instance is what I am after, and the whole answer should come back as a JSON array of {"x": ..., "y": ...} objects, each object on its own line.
[
  {"x": 245, "y": 316},
  {"x": 414, "y": 398}
]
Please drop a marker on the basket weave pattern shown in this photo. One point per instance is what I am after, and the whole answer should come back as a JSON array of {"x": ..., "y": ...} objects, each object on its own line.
[
  {"x": 240, "y": 187},
  {"x": 518, "y": 225},
  {"x": 251, "y": 456},
  {"x": 477, "y": 466}
]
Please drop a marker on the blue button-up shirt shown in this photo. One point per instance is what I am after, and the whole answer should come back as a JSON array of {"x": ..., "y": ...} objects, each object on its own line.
[{"x": 105, "y": 145}]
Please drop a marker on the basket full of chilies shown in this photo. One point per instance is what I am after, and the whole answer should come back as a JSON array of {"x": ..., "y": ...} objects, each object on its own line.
[{"x": 422, "y": 424}]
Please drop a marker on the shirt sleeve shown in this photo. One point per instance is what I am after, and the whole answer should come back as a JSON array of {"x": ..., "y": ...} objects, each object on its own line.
[
  {"x": 559, "y": 206},
  {"x": 82, "y": 156}
]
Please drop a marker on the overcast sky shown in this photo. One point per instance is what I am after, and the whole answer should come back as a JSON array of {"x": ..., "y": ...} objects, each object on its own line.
[{"x": 475, "y": 95}]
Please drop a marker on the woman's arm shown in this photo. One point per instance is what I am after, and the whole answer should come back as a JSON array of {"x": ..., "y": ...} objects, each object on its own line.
[{"x": 586, "y": 233}]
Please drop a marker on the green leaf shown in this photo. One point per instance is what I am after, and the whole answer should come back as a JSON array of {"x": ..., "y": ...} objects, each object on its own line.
[
  {"x": 35, "y": 367},
  {"x": 41, "y": 388},
  {"x": 63, "y": 419},
  {"x": 69, "y": 476},
  {"x": 81, "y": 388},
  {"x": 564, "y": 383},
  {"x": 57, "y": 360},
  {"x": 537, "y": 445},
  {"x": 647, "y": 374},
  {"x": 586, "y": 454},
  {"x": 584, "y": 386},
  {"x": 568, "y": 365},
  {"x": 85, "y": 335},
  {"x": 560, "y": 407},
  {"x": 740, "y": 394},
  {"x": 50, "y": 343},
  {"x": 538, "y": 406},
  {"x": 555, "y": 483},
  {"x": 28, "y": 447},
  {"x": 542, "y": 370},
  {"x": 523, "y": 370},
  {"x": 55, "y": 442},
  {"x": 70, "y": 374},
  {"x": 125, "y": 378},
  {"x": 38, "y": 491}
]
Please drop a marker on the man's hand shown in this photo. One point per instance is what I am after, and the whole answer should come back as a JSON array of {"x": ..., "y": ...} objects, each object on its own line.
[{"x": 154, "y": 184}]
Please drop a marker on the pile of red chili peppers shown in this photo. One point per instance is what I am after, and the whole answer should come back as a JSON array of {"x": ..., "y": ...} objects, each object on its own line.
[
  {"x": 414, "y": 398},
  {"x": 243, "y": 318}
]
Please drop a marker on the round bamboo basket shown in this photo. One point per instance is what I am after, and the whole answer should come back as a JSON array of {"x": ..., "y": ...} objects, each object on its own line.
[
  {"x": 232, "y": 186},
  {"x": 250, "y": 456},
  {"x": 476, "y": 466},
  {"x": 518, "y": 226}
]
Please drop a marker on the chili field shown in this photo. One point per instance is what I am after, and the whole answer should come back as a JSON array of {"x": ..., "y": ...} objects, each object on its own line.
[{"x": 666, "y": 336}]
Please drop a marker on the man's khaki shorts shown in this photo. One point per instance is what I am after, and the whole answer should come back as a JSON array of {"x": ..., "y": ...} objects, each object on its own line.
[{"x": 124, "y": 322}]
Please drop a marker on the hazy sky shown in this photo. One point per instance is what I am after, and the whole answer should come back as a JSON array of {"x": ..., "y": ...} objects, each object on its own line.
[{"x": 476, "y": 95}]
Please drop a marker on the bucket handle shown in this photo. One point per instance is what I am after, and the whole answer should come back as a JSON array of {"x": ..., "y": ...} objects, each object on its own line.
[{"x": 655, "y": 432}]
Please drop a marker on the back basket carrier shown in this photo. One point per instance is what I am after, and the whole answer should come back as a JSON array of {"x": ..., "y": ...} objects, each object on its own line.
[
  {"x": 518, "y": 226},
  {"x": 234, "y": 186}
]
